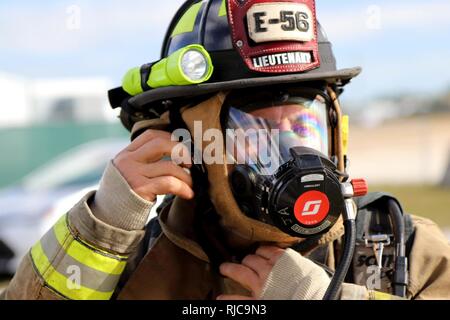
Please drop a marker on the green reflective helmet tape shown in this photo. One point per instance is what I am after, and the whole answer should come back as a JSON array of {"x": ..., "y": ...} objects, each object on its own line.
[
  {"x": 223, "y": 9},
  {"x": 73, "y": 268},
  {"x": 131, "y": 82},
  {"x": 187, "y": 21},
  {"x": 169, "y": 71}
]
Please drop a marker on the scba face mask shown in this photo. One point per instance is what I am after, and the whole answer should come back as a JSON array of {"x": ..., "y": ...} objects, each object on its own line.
[
  {"x": 282, "y": 171},
  {"x": 274, "y": 123}
]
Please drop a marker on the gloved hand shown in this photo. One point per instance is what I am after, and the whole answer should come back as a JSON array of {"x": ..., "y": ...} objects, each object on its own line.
[{"x": 277, "y": 274}]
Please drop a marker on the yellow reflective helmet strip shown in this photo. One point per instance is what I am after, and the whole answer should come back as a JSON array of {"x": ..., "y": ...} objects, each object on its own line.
[
  {"x": 85, "y": 254},
  {"x": 187, "y": 21},
  {"x": 61, "y": 284},
  {"x": 345, "y": 133},
  {"x": 223, "y": 9}
]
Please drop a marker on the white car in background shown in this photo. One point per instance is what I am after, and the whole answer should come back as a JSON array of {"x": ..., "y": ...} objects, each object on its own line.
[{"x": 29, "y": 208}]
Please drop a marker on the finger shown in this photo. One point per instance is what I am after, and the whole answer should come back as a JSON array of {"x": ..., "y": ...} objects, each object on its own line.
[
  {"x": 145, "y": 137},
  {"x": 241, "y": 274},
  {"x": 166, "y": 185},
  {"x": 271, "y": 253},
  {"x": 233, "y": 297},
  {"x": 258, "y": 264},
  {"x": 166, "y": 168},
  {"x": 155, "y": 149}
]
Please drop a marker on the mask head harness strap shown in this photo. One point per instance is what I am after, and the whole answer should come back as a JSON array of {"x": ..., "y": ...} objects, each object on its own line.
[
  {"x": 338, "y": 144},
  {"x": 206, "y": 220}
]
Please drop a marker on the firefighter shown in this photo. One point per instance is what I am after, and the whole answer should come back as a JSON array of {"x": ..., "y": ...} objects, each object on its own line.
[{"x": 273, "y": 216}]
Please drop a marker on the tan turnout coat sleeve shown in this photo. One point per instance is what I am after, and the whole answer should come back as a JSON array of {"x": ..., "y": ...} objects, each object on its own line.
[
  {"x": 28, "y": 284},
  {"x": 429, "y": 262}
]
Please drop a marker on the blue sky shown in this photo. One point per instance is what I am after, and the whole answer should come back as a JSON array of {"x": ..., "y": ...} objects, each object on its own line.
[{"x": 403, "y": 46}]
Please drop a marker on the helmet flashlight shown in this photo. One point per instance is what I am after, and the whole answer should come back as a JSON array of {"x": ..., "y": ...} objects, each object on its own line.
[{"x": 186, "y": 66}]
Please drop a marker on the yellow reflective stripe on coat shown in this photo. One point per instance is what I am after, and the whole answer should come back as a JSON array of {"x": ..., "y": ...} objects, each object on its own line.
[
  {"x": 73, "y": 268},
  {"x": 62, "y": 284},
  {"x": 101, "y": 261},
  {"x": 377, "y": 295}
]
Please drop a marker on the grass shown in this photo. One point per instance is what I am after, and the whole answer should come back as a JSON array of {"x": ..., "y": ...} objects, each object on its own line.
[{"x": 427, "y": 201}]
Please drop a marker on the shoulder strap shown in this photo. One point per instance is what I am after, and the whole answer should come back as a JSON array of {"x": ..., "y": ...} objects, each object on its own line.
[
  {"x": 375, "y": 203},
  {"x": 375, "y": 246},
  {"x": 409, "y": 233}
]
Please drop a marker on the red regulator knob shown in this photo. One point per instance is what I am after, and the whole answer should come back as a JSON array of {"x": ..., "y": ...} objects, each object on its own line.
[{"x": 360, "y": 187}]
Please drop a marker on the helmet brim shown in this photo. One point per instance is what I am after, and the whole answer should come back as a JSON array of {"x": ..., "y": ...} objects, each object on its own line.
[{"x": 342, "y": 77}]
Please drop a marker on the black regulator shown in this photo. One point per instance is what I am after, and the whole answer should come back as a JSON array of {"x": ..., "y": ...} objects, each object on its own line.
[{"x": 303, "y": 198}]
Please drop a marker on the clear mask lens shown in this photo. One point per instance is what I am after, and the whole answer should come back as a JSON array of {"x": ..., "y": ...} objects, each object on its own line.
[{"x": 261, "y": 134}]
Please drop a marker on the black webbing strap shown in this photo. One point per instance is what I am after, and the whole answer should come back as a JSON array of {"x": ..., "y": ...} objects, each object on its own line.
[
  {"x": 409, "y": 233},
  {"x": 380, "y": 220},
  {"x": 145, "y": 71},
  {"x": 373, "y": 206}
]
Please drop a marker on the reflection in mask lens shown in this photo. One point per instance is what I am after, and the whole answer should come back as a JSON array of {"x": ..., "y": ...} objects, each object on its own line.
[{"x": 271, "y": 130}]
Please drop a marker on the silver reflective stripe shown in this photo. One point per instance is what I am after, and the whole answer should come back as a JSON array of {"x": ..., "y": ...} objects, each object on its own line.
[{"x": 63, "y": 263}]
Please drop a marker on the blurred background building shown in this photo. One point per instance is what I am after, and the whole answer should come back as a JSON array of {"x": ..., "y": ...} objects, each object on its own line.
[
  {"x": 59, "y": 58},
  {"x": 40, "y": 118}
]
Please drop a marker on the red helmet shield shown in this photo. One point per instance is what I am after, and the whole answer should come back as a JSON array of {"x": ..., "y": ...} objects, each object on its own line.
[{"x": 275, "y": 36}]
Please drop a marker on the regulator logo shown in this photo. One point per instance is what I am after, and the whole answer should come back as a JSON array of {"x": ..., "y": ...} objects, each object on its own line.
[{"x": 311, "y": 208}]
